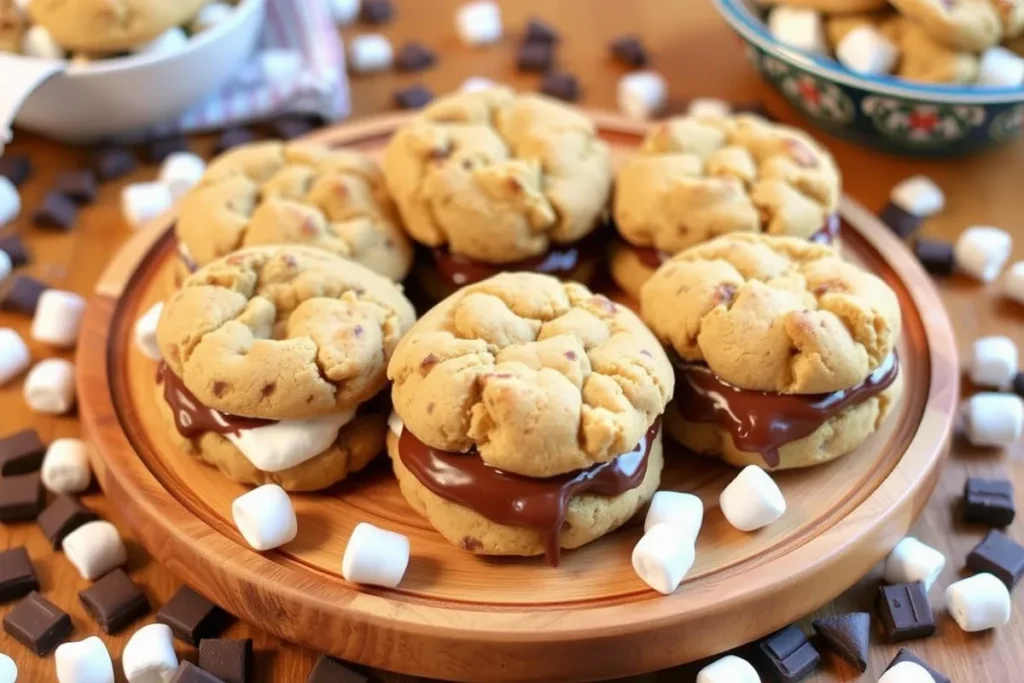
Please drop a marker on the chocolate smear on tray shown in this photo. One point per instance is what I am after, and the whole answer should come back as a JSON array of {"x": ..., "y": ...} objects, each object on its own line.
[{"x": 192, "y": 418}]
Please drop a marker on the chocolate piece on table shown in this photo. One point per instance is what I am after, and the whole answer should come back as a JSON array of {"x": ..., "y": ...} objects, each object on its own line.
[
  {"x": 79, "y": 186},
  {"x": 330, "y": 670},
  {"x": 629, "y": 50},
  {"x": 901, "y": 222},
  {"x": 377, "y": 11},
  {"x": 905, "y": 612},
  {"x": 564, "y": 86},
  {"x": 158, "y": 149},
  {"x": 192, "y": 617},
  {"x": 413, "y": 97},
  {"x": 989, "y": 501},
  {"x": 16, "y": 249},
  {"x": 21, "y": 497},
  {"x": 905, "y": 655},
  {"x": 21, "y": 452},
  {"x": 228, "y": 660},
  {"x": 61, "y": 517},
  {"x": 17, "y": 574},
  {"x": 233, "y": 137},
  {"x": 935, "y": 255},
  {"x": 535, "y": 57},
  {"x": 787, "y": 655},
  {"x": 848, "y": 635},
  {"x": 997, "y": 554},
  {"x": 17, "y": 169},
  {"x": 23, "y": 295},
  {"x": 415, "y": 57},
  {"x": 114, "y": 601},
  {"x": 38, "y": 624},
  {"x": 1018, "y": 384},
  {"x": 57, "y": 212},
  {"x": 190, "y": 673},
  {"x": 291, "y": 126},
  {"x": 539, "y": 31},
  {"x": 112, "y": 162}
]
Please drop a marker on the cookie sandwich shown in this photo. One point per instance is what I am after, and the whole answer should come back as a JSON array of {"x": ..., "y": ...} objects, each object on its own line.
[
  {"x": 785, "y": 355},
  {"x": 493, "y": 181},
  {"x": 272, "y": 359},
  {"x": 697, "y": 178},
  {"x": 274, "y": 193},
  {"x": 528, "y": 416}
]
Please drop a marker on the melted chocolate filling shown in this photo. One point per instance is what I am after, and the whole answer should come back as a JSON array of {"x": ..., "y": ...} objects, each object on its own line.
[
  {"x": 192, "y": 418},
  {"x": 516, "y": 500},
  {"x": 760, "y": 421}
]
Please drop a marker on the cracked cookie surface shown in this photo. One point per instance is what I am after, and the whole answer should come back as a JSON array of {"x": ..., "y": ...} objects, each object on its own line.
[{"x": 104, "y": 26}]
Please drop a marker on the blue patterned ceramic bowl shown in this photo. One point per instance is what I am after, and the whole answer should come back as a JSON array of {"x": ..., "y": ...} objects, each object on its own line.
[{"x": 885, "y": 113}]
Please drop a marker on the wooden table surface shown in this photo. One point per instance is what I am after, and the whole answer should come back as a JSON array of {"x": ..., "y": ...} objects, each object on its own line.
[{"x": 698, "y": 55}]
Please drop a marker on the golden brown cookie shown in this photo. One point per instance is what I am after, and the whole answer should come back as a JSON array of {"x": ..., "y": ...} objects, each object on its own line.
[
  {"x": 838, "y": 7},
  {"x": 928, "y": 61},
  {"x": 104, "y": 26},
  {"x": 963, "y": 25},
  {"x": 12, "y": 26}
]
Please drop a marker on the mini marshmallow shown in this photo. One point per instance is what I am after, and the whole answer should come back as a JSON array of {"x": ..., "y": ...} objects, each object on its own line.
[
  {"x": 918, "y": 196},
  {"x": 10, "y": 201},
  {"x": 58, "y": 318},
  {"x": 210, "y": 15},
  {"x": 66, "y": 466},
  {"x": 95, "y": 548},
  {"x": 993, "y": 420},
  {"x": 84, "y": 661},
  {"x": 662, "y": 557},
  {"x": 395, "y": 424},
  {"x": 37, "y": 41},
  {"x": 979, "y": 602},
  {"x": 982, "y": 251},
  {"x": 728, "y": 669},
  {"x": 1001, "y": 67},
  {"x": 149, "y": 656},
  {"x": 907, "y": 672},
  {"x": 5, "y": 266},
  {"x": 370, "y": 52},
  {"x": 476, "y": 84},
  {"x": 993, "y": 362},
  {"x": 685, "y": 511},
  {"x": 50, "y": 386},
  {"x": 14, "y": 355},
  {"x": 265, "y": 517},
  {"x": 344, "y": 12},
  {"x": 911, "y": 560},
  {"x": 752, "y": 500},
  {"x": 180, "y": 172},
  {"x": 8, "y": 670},
  {"x": 865, "y": 50},
  {"x": 172, "y": 40},
  {"x": 800, "y": 28},
  {"x": 479, "y": 23},
  {"x": 374, "y": 556},
  {"x": 145, "y": 332},
  {"x": 1013, "y": 285},
  {"x": 709, "y": 108},
  {"x": 641, "y": 94},
  {"x": 144, "y": 201}
]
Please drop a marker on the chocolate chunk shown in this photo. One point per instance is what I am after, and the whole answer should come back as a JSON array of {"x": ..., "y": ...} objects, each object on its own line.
[
  {"x": 905, "y": 612},
  {"x": 539, "y": 31},
  {"x": 112, "y": 162},
  {"x": 228, "y": 660},
  {"x": 57, "y": 212},
  {"x": 21, "y": 452},
  {"x": 233, "y": 137},
  {"x": 114, "y": 601},
  {"x": 192, "y": 617},
  {"x": 899, "y": 221},
  {"x": 988, "y": 501},
  {"x": 1018, "y": 384},
  {"x": 293, "y": 126},
  {"x": 377, "y": 11},
  {"x": 997, "y": 554},
  {"x": 787, "y": 655},
  {"x": 79, "y": 186},
  {"x": 21, "y": 497},
  {"x": 38, "y": 624},
  {"x": 848, "y": 635},
  {"x": 629, "y": 50},
  {"x": 17, "y": 575},
  {"x": 23, "y": 295},
  {"x": 61, "y": 517},
  {"x": 415, "y": 57},
  {"x": 535, "y": 57},
  {"x": 935, "y": 255},
  {"x": 16, "y": 249},
  {"x": 905, "y": 655},
  {"x": 413, "y": 97},
  {"x": 564, "y": 86},
  {"x": 158, "y": 149},
  {"x": 17, "y": 169},
  {"x": 190, "y": 673},
  {"x": 330, "y": 670}
]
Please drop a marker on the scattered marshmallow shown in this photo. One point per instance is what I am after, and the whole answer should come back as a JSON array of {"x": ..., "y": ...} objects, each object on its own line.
[
  {"x": 66, "y": 466},
  {"x": 84, "y": 661},
  {"x": 709, "y": 108},
  {"x": 684, "y": 511},
  {"x": 982, "y": 251},
  {"x": 865, "y": 50},
  {"x": 993, "y": 362},
  {"x": 6, "y": 266},
  {"x": 662, "y": 557},
  {"x": 14, "y": 355},
  {"x": 145, "y": 332},
  {"x": 370, "y": 52},
  {"x": 10, "y": 201},
  {"x": 1013, "y": 286},
  {"x": 50, "y": 386},
  {"x": 149, "y": 656},
  {"x": 907, "y": 672},
  {"x": 58, "y": 318},
  {"x": 476, "y": 84},
  {"x": 344, "y": 12},
  {"x": 479, "y": 23},
  {"x": 994, "y": 419},
  {"x": 641, "y": 94},
  {"x": 172, "y": 40},
  {"x": 180, "y": 172},
  {"x": 8, "y": 670},
  {"x": 374, "y": 556},
  {"x": 800, "y": 28},
  {"x": 728, "y": 669},
  {"x": 918, "y": 196},
  {"x": 911, "y": 560},
  {"x": 211, "y": 14},
  {"x": 979, "y": 602},
  {"x": 265, "y": 517},
  {"x": 95, "y": 548},
  {"x": 144, "y": 201},
  {"x": 752, "y": 500},
  {"x": 1001, "y": 67},
  {"x": 37, "y": 41}
]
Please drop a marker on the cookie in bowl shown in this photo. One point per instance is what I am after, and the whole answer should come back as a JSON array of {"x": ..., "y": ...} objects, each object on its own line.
[
  {"x": 528, "y": 416},
  {"x": 106, "y": 26},
  {"x": 493, "y": 181},
  {"x": 696, "y": 178},
  {"x": 12, "y": 26},
  {"x": 784, "y": 353},
  {"x": 292, "y": 193},
  {"x": 272, "y": 359}
]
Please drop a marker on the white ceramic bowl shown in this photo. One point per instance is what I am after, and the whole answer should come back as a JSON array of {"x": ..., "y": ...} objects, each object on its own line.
[{"x": 125, "y": 94}]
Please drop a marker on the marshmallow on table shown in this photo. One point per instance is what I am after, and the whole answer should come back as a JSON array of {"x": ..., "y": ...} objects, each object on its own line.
[
  {"x": 918, "y": 196},
  {"x": 370, "y": 52},
  {"x": 344, "y": 12},
  {"x": 66, "y": 466},
  {"x": 476, "y": 84},
  {"x": 993, "y": 419},
  {"x": 752, "y": 500},
  {"x": 911, "y": 560},
  {"x": 14, "y": 355},
  {"x": 663, "y": 556},
  {"x": 180, "y": 172},
  {"x": 50, "y": 386},
  {"x": 685, "y": 511},
  {"x": 479, "y": 23},
  {"x": 728, "y": 669},
  {"x": 84, "y": 661},
  {"x": 982, "y": 251},
  {"x": 865, "y": 50},
  {"x": 709, "y": 108},
  {"x": 10, "y": 201},
  {"x": 993, "y": 362},
  {"x": 8, "y": 670},
  {"x": 149, "y": 656},
  {"x": 95, "y": 548},
  {"x": 39, "y": 42},
  {"x": 907, "y": 672},
  {"x": 144, "y": 201},
  {"x": 145, "y": 332},
  {"x": 1001, "y": 67},
  {"x": 171, "y": 40},
  {"x": 58, "y": 318},
  {"x": 1013, "y": 285},
  {"x": 641, "y": 94},
  {"x": 375, "y": 556},
  {"x": 803, "y": 29},
  {"x": 265, "y": 517},
  {"x": 979, "y": 602},
  {"x": 210, "y": 15}
]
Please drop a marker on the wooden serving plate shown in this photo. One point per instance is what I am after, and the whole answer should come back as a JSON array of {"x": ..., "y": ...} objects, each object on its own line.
[{"x": 461, "y": 617}]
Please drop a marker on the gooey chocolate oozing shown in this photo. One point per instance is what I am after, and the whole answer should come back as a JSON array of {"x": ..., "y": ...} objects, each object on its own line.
[
  {"x": 192, "y": 418},
  {"x": 516, "y": 500},
  {"x": 762, "y": 422}
]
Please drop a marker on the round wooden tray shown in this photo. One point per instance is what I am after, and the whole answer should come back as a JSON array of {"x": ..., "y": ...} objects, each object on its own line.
[{"x": 461, "y": 617}]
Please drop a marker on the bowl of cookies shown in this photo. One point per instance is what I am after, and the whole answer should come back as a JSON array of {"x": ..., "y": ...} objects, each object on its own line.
[{"x": 911, "y": 77}]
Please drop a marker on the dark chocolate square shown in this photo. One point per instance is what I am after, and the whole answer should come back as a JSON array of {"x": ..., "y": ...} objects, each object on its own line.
[
  {"x": 293, "y": 126},
  {"x": 17, "y": 574},
  {"x": 21, "y": 497},
  {"x": 228, "y": 660},
  {"x": 57, "y": 212},
  {"x": 787, "y": 655},
  {"x": 79, "y": 186},
  {"x": 535, "y": 57},
  {"x": 905, "y": 655},
  {"x": 112, "y": 162},
  {"x": 377, "y": 11},
  {"x": 997, "y": 554},
  {"x": 38, "y": 624},
  {"x": 158, "y": 149},
  {"x": 21, "y": 452},
  {"x": 65, "y": 514},
  {"x": 415, "y": 57},
  {"x": 1018, "y": 384},
  {"x": 413, "y": 97},
  {"x": 539, "y": 31},
  {"x": 905, "y": 612},
  {"x": 330, "y": 670},
  {"x": 15, "y": 168},
  {"x": 935, "y": 255},
  {"x": 900, "y": 221},
  {"x": 114, "y": 601},
  {"x": 16, "y": 249},
  {"x": 190, "y": 673},
  {"x": 562, "y": 85},
  {"x": 233, "y": 137},
  {"x": 192, "y": 617},
  {"x": 23, "y": 295},
  {"x": 629, "y": 50},
  {"x": 989, "y": 501}
]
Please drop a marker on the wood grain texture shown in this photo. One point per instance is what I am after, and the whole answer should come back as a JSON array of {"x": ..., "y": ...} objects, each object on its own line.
[{"x": 698, "y": 55}]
